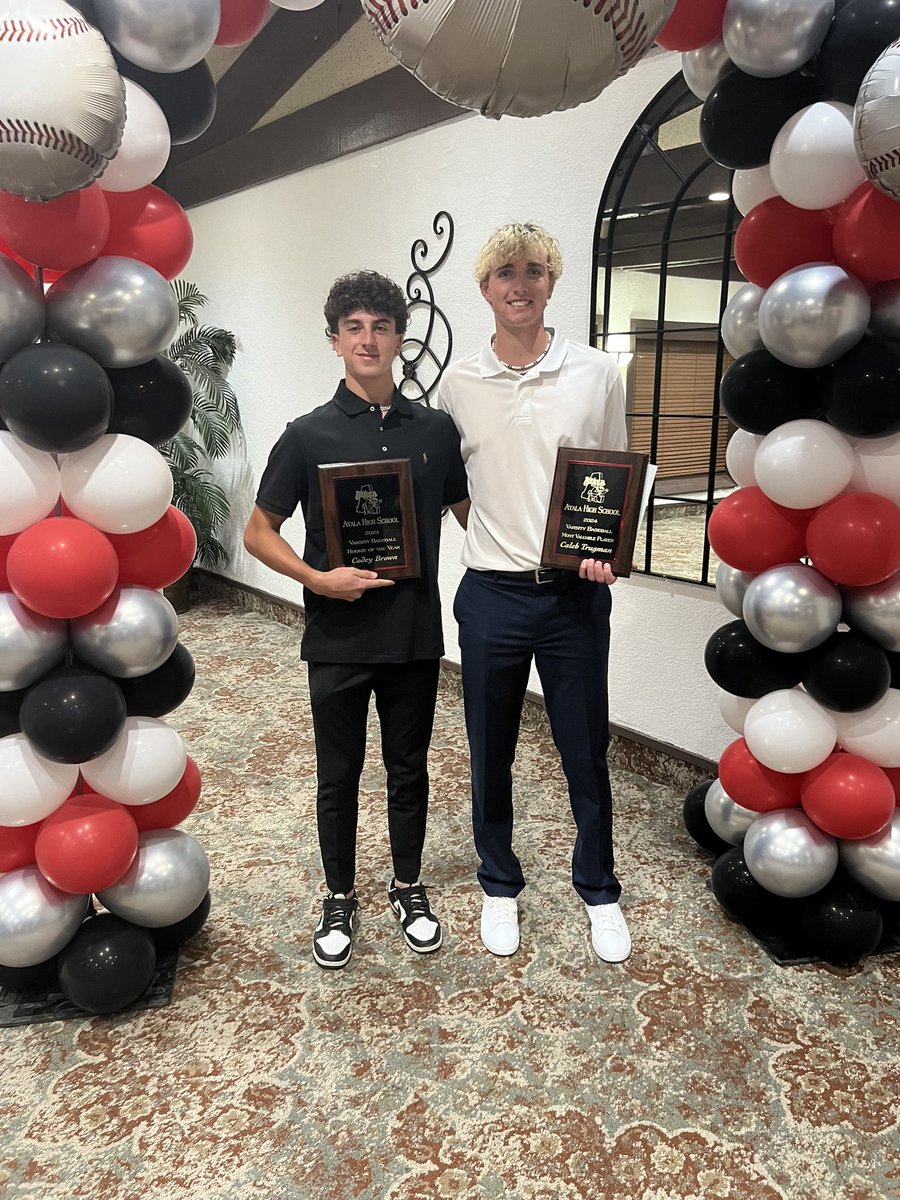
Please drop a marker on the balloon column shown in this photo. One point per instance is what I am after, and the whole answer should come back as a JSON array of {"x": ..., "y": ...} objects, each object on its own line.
[
  {"x": 94, "y": 781},
  {"x": 800, "y": 99}
]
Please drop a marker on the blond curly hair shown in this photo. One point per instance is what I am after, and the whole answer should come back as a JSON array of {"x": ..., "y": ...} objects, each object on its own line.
[{"x": 514, "y": 241}]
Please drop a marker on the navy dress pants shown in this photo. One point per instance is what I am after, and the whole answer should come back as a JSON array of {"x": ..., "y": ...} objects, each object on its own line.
[
  {"x": 405, "y": 695},
  {"x": 504, "y": 623}
]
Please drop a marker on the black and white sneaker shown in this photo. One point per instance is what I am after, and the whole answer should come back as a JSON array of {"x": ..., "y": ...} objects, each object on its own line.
[
  {"x": 421, "y": 928},
  {"x": 333, "y": 938}
]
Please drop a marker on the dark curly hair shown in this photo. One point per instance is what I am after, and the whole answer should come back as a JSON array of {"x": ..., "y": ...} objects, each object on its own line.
[{"x": 369, "y": 291}]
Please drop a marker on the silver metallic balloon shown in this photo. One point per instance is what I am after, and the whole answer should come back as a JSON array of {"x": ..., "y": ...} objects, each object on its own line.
[
  {"x": 791, "y": 608},
  {"x": 118, "y": 310},
  {"x": 875, "y": 610},
  {"x": 704, "y": 67},
  {"x": 885, "y": 319},
  {"x": 29, "y": 644},
  {"x": 731, "y": 584},
  {"x": 167, "y": 880},
  {"x": 740, "y": 321},
  {"x": 727, "y": 818},
  {"x": 813, "y": 315},
  {"x": 875, "y": 861},
  {"x": 788, "y": 854},
  {"x": 131, "y": 634},
  {"x": 520, "y": 58},
  {"x": 36, "y": 919},
  {"x": 876, "y": 122},
  {"x": 21, "y": 309},
  {"x": 768, "y": 38},
  {"x": 165, "y": 36}
]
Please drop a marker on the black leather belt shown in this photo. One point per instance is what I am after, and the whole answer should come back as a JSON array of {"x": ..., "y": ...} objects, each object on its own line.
[{"x": 538, "y": 575}]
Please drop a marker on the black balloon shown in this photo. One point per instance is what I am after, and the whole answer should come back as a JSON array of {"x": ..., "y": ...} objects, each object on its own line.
[
  {"x": 747, "y": 901},
  {"x": 893, "y": 657},
  {"x": 861, "y": 391},
  {"x": 842, "y": 923},
  {"x": 743, "y": 666},
  {"x": 742, "y": 115},
  {"x": 108, "y": 964},
  {"x": 168, "y": 937},
  {"x": 847, "y": 672},
  {"x": 860, "y": 31},
  {"x": 151, "y": 401},
  {"x": 695, "y": 822},
  {"x": 38, "y": 978},
  {"x": 10, "y": 703},
  {"x": 55, "y": 398},
  {"x": 159, "y": 691},
  {"x": 73, "y": 714},
  {"x": 759, "y": 393},
  {"x": 187, "y": 98}
]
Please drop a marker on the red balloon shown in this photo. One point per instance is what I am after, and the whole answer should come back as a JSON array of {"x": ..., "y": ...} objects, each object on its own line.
[
  {"x": 692, "y": 24},
  {"x": 62, "y": 567},
  {"x": 87, "y": 844},
  {"x": 866, "y": 235},
  {"x": 848, "y": 796},
  {"x": 7, "y": 251},
  {"x": 241, "y": 21},
  {"x": 158, "y": 555},
  {"x": 61, "y": 233},
  {"x": 6, "y": 542},
  {"x": 151, "y": 226},
  {"x": 751, "y": 533},
  {"x": 752, "y": 785},
  {"x": 775, "y": 236},
  {"x": 855, "y": 539},
  {"x": 174, "y": 806},
  {"x": 17, "y": 846}
]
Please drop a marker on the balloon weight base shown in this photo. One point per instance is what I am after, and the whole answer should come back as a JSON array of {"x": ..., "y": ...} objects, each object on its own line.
[{"x": 32, "y": 1008}]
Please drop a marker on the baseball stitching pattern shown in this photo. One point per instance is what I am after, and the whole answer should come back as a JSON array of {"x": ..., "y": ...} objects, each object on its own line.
[
  {"x": 386, "y": 13},
  {"x": 47, "y": 30},
  {"x": 15, "y": 131}
]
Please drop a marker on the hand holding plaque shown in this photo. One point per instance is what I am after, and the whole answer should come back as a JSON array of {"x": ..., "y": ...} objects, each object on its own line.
[
  {"x": 370, "y": 517},
  {"x": 595, "y": 508}
]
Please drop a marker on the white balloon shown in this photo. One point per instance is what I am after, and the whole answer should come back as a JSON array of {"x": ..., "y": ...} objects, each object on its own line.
[
  {"x": 740, "y": 455},
  {"x": 876, "y": 466},
  {"x": 751, "y": 187},
  {"x": 788, "y": 731},
  {"x": 29, "y": 484},
  {"x": 33, "y": 786},
  {"x": 144, "y": 764},
  {"x": 802, "y": 464},
  {"x": 145, "y": 147},
  {"x": 813, "y": 160},
  {"x": 734, "y": 709},
  {"x": 874, "y": 732},
  {"x": 119, "y": 483}
]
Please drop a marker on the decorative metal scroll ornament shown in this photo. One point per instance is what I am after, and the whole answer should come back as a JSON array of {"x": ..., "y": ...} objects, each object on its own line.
[{"x": 431, "y": 350}]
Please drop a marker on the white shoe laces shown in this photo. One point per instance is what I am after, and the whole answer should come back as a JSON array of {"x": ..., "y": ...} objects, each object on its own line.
[{"x": 503, "y": 909}]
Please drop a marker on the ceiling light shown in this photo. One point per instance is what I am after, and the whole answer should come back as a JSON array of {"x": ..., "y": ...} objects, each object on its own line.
[{"x": 718, "y": 197}]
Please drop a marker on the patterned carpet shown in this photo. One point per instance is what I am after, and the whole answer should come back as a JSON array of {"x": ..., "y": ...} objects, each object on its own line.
[{"x": 697, "y": 1069}]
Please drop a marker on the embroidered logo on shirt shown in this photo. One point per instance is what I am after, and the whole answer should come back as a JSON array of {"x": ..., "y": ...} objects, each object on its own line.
[{"x": 424, "y": 457}]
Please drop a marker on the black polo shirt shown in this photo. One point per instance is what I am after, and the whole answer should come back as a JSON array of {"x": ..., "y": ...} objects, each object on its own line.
[{"x": 395, "y": 624}]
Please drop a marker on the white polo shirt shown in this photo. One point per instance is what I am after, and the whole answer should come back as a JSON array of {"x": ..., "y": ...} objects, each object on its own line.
[{"x": 511, "y": 426}]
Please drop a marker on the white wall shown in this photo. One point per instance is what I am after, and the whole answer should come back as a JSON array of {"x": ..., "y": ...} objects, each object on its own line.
[{"x": 267, "y": 256}]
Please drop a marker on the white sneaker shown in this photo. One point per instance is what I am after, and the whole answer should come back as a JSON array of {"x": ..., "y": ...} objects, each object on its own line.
[
  {"x": 609, "y": 933},
  {"x": 500, "y": 924}
]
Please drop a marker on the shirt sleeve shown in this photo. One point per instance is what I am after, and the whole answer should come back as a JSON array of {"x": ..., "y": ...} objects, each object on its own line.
[
  {"x": 615, "y": 430},
  {"x": 456, "y": 484},
  {"x": 285, "y": 480}
]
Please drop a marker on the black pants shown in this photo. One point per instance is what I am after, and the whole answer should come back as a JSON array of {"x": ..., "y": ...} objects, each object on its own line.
[
  {"x": 405, "y": 695},
  {"x": 503, "y": 625}
]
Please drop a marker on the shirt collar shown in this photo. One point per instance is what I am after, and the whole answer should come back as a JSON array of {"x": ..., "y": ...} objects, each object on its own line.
[
  {"x": 489, "y": 365},
  {"x": 353, "y": 405}
]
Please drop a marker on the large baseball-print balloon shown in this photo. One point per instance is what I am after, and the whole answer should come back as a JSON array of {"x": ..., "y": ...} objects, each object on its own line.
[
  {"x": 62, "y": 101},
  {"x": 514, "y": 56}
]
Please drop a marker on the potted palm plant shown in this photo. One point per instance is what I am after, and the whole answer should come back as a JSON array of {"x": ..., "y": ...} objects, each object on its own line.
[{"x": 206, "y": 354}]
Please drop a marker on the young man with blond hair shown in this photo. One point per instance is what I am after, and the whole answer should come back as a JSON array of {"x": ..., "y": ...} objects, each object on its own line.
[
  {"x": 515, "y": 402},
  {"x": 365, "y": 635}
]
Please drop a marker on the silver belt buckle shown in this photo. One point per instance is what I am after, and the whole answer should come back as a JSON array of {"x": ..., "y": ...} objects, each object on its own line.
[{"x": 544, "y": 574}]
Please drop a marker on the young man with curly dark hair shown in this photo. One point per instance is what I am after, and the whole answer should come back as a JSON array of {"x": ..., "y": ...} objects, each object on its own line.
[{"x": 365, "y": 634}]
